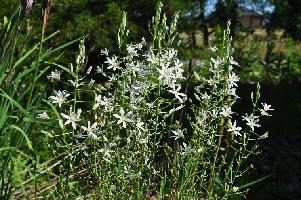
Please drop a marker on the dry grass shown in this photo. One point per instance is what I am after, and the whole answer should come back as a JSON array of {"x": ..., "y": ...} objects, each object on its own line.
[{"x": 246, "y": 40}]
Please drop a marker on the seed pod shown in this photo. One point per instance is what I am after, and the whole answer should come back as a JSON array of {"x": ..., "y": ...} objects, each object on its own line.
[
  {"x": 45, "y": 4},
  {"x": 45, "y": 8},
  {"x": 26, "y": 7}
]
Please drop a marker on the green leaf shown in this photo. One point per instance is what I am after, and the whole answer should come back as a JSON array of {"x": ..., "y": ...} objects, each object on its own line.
[
  {"x": 29, "y": 145},
  {"x": 48, "y": 53},
  {"x": 14, "y": 102},
  {"x": 15, "y": 149},
  {"x": 60, "y": 66},
  {"x": 254, "y": 182},
  {"x": 5, "y": 20}
]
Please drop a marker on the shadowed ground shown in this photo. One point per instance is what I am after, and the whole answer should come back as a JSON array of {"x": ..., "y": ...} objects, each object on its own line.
[{"x": 281, "y": 152}]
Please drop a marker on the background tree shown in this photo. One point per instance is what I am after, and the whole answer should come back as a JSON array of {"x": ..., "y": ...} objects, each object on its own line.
[
  {"x": 226, "y": 10},
  {"x": 287, "y": 15}
]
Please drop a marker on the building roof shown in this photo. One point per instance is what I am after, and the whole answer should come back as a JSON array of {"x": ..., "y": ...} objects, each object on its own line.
[{"x": 243, "y": 11}]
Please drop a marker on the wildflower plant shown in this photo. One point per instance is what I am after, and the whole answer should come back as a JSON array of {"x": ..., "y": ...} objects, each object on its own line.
[{"x": 155, "y": 126}]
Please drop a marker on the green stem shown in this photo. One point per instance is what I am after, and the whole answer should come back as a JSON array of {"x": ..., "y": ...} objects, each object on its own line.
[{"x": 38, "y": 63}]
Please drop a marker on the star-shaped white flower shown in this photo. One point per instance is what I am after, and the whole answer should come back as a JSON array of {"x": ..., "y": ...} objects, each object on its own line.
[
  {"x": 102, "y": 101},
  {"x": 178, "y": 134},
  {"x": 265, "y": 109},
  {"x": 91, "y": 129},
  {"x": 178, "y": 69},
  {"x": 60, "y": 97},
  {"x": 165, "y": 73},
  {"x": 43, "y": 115},
  {"x": 107, "y": 151},
  {"x": 226, "y": 112},
  {"x": 232, "y": 79},
  {"x": 152, "y": 58},
  {"x": 251, "y": 121},
  {"x": 55, "y": 75},
  {"x": 235, "y": 129},
  {"x": 113, "y": 63},
  {"x": 131, "y": 50},
  {"x": 123, "y": 118},
  {"x": 176, "y": 92},
  {"x": 72, "y": 117}
]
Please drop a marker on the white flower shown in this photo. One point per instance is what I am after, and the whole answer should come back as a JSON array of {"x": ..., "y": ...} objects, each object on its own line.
[
  {"x": 43, "y": 115},
  {"x": 170, "y": 54},
  {"x": 232, "y": 79},
  {"x": 205, "y": 96},
  {"x": 178, "y": 134},
  {"x": 176, "y": 92},
  {"x": 266, "y": 108},
  {"x": 152, "y": 58},
  {"x": 132, "y": 68},
  {"x": 251, "y": 121},
  {"x": 91, "y": 129},
  {"x": 235, "y": 189},
  {"x": 123, "y": 118},
  {"x": 72, "y": 117},
  {"x": 140, "y": 126},
  {"x": 165, "y": 73},
  {"x": 99, "y": 70},
  {"x": 226, "y": 112},
  {"x": 131, "y": 50},
  {"x": 60, "y": 97},
  {"x": 232, "y": 92},
  {"x": 213, "y": 49},
  {"x": 79, "y": 83},
  {"x": 104, "y": 52},
  {"x": 99, "y": 101},
  {"x": 186, "y": 149},
  {"x": 113, "y": 78},
  {"x": 216, "y": 62},
  {"x": 139, "y": 46},
  {"x": 113, "y": 63},
  {"x": 235, "y": 129},
  {"x": 89, "y": 70},
  {"x": 91, "y": 83},
  {"x": 55, "y": 75},
  {"x": 232, "y": 62},
  {"x": 106, "y": 150},
  {"x": 178, "y": 69}
]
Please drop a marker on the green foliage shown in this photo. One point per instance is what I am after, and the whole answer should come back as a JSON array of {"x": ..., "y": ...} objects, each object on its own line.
[
  {"x": 267, "y": 64},
  {"x": 21, "y": 91},
  {"x": 287, "y": 15}
]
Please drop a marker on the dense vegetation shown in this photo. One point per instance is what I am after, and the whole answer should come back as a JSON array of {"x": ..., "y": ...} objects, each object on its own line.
[{"x": 100, "y": 103}]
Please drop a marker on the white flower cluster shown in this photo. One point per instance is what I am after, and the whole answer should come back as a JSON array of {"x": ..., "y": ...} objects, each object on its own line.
[
  {"x": 144, "y": 108},
  {"x": 217, "y": 94}
]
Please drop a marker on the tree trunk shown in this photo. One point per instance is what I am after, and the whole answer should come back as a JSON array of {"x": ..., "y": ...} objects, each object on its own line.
[
  {"x": 205, "y": 34},
  {"x": 193, "y": 38},
  {"x": 204, "y": 25}
]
